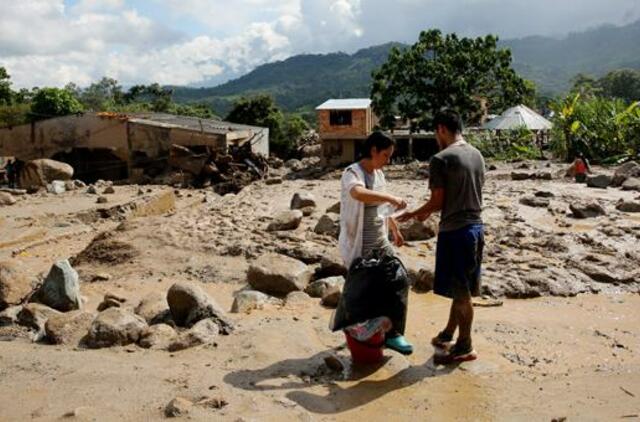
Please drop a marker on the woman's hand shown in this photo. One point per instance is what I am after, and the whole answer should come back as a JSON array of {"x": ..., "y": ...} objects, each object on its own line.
[{"x": 397, "y": 202}]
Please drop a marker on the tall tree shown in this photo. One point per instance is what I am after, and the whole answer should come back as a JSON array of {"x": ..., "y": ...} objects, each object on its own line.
[
  {"x": 5, "y": 86},
  {"x": 446, "y": 72},
  {"x": 50, "y": 102}
]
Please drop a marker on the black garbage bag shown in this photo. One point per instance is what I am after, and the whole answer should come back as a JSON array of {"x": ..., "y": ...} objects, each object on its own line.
[{"x": 374, "y": 287}]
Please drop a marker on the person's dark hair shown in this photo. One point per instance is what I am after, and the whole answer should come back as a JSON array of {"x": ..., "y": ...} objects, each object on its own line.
[
  {"x": 449, "y": 119},
  {"x": 379, "y": 140}
]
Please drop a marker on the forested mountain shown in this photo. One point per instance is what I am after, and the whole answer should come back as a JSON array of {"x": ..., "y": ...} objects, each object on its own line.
[{"x": 301, "y": 82}]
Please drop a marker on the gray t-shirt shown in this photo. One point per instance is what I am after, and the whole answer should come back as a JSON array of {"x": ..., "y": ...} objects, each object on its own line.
[{"x": 459, "y": 170}]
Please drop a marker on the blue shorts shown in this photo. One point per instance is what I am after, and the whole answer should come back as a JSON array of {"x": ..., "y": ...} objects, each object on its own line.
[{"x": 458, "y": 262}]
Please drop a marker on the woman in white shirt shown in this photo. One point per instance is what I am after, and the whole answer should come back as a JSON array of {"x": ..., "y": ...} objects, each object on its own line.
[{"x": 364, "y": 213}]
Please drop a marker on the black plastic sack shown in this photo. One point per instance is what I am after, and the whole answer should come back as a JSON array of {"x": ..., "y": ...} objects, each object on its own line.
[{"x": 374, "y": 288}]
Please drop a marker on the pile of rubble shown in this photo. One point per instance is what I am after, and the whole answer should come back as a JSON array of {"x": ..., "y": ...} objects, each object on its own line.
[{"x": 226, "y": 172}]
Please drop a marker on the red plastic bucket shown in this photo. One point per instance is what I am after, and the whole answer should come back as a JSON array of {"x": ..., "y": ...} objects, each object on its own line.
[{"x": 366, "y": 352}]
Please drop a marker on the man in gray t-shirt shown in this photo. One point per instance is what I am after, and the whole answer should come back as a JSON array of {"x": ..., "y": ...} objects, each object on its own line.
[{"x": 456, "y": 177}]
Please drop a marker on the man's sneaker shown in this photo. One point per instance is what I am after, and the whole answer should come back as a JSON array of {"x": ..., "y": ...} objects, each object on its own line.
[
  {"x": 458, "y": 354},
  {"x": 442, "y": 340}
]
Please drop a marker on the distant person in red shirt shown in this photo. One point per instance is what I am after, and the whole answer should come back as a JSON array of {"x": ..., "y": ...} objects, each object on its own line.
[{"x": 579, "y": 169}]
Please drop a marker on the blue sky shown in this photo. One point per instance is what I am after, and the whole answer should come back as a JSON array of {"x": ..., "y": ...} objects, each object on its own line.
[{"x": 205, "y": 42}]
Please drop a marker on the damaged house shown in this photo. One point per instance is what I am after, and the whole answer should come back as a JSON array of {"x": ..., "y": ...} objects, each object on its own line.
[
  {"x": 114, "y": 146},
  {"x": 344, "y": 125}
]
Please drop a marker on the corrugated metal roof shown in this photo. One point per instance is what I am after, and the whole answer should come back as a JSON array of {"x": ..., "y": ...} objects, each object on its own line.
[
  {"x": 188, "y": 122},
  {"x": 345, "y": 104},
  {"x": 518, "y": 117}
]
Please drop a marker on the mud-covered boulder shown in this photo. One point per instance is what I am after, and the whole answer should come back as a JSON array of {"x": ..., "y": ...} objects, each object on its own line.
[
  {"x": 628, "y": 206},
  {"x": 188, "y": 304},
  {"x": 38, "y": 173},
  {"x": 68, "y": 328},
  {"x": 115, "y": 327},
  {"x": 277, "y": 274},
  {"x": 61, "y": 288},
  {"x": 419, "y": 230},
  {"x": 14, "y": 284},
  {"x": 632, "y": 183},
  {"x": 35, "y": 316},
  {"x": 535, "y": 201},
  {"x": 286, "y": 220}
]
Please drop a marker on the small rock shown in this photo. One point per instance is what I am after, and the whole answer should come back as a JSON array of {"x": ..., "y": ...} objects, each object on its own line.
[
  {"x": 521, "y": 176},
  {"x": 273, "y": 181},
  {"x": 102, "y": 200},
  {"x": 422, "y": 279},
  {"x": 61, "y": 288},
  {"x": 287, "y": 220},
  {"x": 331, "y": 297},
  {"x": 213, "y": 402},
  {"x": 101, "y": 277},
  {"x": 543, "y": 175},
  {"x": 154, "y": 308},
  {"x": 56, "y": 187},
  {"x": 108, "y": 190},
  {"x": 248, "y": 300},
  {"x": 158, "y": 337},
  {"x": 111, "y": 301},
  {"x": 70, "y": 185},
  {"x": 35, "y": 316},
  {"x": 331, "y": 265},
  {"x": 534, "y": 201},
  {"x": 334, "y": 209},
  {"x": 303, "y": 200},
  {"x": 178, "y": 407},
  {"x": 419, "y": 230},
  {"x": 624, "y": 172},
  {"x": 307, "y": 211},
  {"x": 203, "y": 332},
  {"x": 628, "y": 206},
  {"x": 319, "y": 288},
  {"x": 92, "y": 190},
  {"x": 589, "y": 210},
  {"x": 7, "y": 199},
  {"x": 297, "y": 298},
  {"x": 14, "y": 285},
  {"x": 10, "y": 316},
  {"x": 328, "y": 224},
  {"x": 544, "y": 194},
  {"x": 632, "y": 184}
]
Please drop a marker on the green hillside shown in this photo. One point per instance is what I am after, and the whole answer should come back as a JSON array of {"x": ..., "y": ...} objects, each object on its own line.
[{"x": 302, "y": 82}]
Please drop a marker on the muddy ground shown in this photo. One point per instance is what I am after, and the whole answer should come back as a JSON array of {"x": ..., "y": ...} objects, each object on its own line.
[{"x": 571, "y": 349}]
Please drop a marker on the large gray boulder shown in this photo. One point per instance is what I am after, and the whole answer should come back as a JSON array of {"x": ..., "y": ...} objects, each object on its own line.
[
  {"x": 14, "y": 284},
  {"x": 115, "y": 327},
  {"x": 61, "y": 288},
  {"x": 587, "y": 210},
  {"x": 188, "y": 304},
  {"x": 624, "y": 172},
  {"x": 38, "y": 173},
  {"x": 303, "y": 200},
  {"x": 600, "y": 181},
  {"x": 203, "y": 332},
  {"x": 6, "y": 199},
  {"x": 329, "y": 225},
  {"x": 286, "y": 220},
  {"x": 68, "y": 328},
  {"x": 277, "y": 274}
]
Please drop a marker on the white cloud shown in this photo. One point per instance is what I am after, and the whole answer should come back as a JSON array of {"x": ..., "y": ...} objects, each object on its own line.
[{"x": 42, "y": 42}]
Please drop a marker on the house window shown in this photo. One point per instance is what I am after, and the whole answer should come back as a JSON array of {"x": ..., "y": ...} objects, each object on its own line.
[{"x": 340, "y": 118}]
